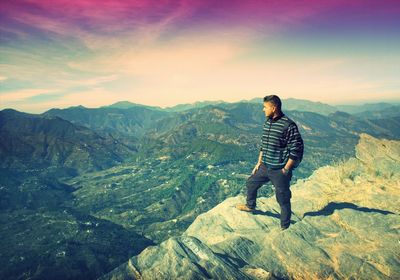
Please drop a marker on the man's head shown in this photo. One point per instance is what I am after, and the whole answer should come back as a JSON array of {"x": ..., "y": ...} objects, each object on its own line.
[{"x": 272, "y": 106}]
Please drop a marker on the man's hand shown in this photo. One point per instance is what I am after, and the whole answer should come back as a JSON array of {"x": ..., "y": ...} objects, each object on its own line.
[
  {"x": 256, "y": 168},
  {"x": 288, "y": 166},
  {"x": 285, "y": 171}
]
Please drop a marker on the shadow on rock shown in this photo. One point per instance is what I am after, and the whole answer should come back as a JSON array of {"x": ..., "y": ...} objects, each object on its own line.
[
  {"x": 266, "y": 213},
  {"x": 332, "y": 206},
  {"x": 271, "y": 214}
]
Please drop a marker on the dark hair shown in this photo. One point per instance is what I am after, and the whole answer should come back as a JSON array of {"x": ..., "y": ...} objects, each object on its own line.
[{"x": 274, "y": 100}]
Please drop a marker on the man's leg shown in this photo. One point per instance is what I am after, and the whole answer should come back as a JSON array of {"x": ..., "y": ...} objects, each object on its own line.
[
  {"x": 283, "y": 194},
  {"x": 254, "y": 182}
]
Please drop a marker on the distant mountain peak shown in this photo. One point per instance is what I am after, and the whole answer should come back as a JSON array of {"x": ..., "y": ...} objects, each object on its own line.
[
  {"x": 128, "y": 105},
  {"x": 14, "y": 113},
  {"x": 120, "y": 104},
  {"x": 195, "y": 105},
  {"x": 9, "y": 110},
  {"x": 77, "y": 107}
]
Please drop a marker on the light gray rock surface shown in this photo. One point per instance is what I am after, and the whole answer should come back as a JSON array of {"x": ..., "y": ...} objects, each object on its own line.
[{"x": 345, "y": 225}]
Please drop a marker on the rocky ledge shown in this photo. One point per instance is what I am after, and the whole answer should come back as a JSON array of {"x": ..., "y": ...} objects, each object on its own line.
[{"x": 345, "y": 225}]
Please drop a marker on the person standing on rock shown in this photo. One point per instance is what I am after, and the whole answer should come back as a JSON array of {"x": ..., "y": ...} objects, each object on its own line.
[{"x": 281, "y": 151}]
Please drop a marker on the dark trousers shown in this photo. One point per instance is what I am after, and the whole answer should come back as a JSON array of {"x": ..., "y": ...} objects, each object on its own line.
[{"x": 281, "y": 183}]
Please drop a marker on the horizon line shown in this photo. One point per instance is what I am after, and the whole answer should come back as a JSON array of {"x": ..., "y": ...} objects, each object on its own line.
[{"x": 353, "y": 103}]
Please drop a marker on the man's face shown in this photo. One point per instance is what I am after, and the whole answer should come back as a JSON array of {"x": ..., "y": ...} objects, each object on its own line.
[{"x": 269, "y": 109}]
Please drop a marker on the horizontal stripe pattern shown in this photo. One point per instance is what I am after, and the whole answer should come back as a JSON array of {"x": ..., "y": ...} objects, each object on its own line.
[{"x": 280, "y": 141}]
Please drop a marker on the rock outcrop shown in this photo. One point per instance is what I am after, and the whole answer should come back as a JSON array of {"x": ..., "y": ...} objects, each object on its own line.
[{"x": 345, "y": 225}]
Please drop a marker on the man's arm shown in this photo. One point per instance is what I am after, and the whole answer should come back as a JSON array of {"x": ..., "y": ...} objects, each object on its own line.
[
  {"x": 289, "y": 165},
  {"x": 296, "y": 147},
  {"x": 260, "y": 158},
  {"x": 258, "y": 163}
]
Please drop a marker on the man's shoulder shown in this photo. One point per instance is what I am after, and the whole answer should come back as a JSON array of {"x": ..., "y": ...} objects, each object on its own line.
[{"x": 288, "y": 121}]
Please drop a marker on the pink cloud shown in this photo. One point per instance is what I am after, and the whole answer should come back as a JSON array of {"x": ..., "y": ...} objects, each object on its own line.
[
  {"x": 100, "y": 16},
  {"x": 96, "y": 23}
]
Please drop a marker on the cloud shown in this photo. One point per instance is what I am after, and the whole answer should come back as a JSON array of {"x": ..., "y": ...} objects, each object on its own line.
[
  {"x": 98, "y": 24},
  {"x": 191, "y": 53},
  {"x": 21, "y": 95},
  {"x": 105, "y": 24},
  {"x": 12, "y": 97},
  {"x": 95, "y": 81},
  {"x": 91, "y": 98}
]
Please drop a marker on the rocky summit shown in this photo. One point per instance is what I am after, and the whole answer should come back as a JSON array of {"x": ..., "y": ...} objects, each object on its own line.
[{"x": 345, "y": 225}]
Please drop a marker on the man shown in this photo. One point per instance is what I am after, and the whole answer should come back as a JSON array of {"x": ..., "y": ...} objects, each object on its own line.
[{"x": 281, "y": 151}]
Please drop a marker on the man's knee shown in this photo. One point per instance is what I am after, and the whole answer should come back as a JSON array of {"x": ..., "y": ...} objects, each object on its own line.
[
  {"x": 250, "y": 181},
  {"x": 252, "y": 184},
  {"x": 283, "y": 196}
]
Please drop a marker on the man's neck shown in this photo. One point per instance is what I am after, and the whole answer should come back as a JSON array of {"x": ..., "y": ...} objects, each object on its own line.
[{"x": 277, "y": 115}]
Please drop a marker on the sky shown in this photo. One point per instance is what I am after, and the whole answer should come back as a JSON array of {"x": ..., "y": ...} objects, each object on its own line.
[{"x": 62, "y": 53}]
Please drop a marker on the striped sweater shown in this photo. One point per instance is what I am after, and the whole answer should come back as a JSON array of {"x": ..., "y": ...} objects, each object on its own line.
[{"x": 280, "y": 141}]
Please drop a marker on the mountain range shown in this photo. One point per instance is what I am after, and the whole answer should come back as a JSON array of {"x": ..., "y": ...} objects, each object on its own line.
[
  {"x": 289, "y": 104},
  {"x": 143, "y": 173},
  {"x": 39, "y": 142}
]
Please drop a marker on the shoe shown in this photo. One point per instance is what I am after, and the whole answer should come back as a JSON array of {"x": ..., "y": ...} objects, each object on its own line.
[
  {"x": 243, "y": 207},
  {"x": 284, "y": 228}
]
